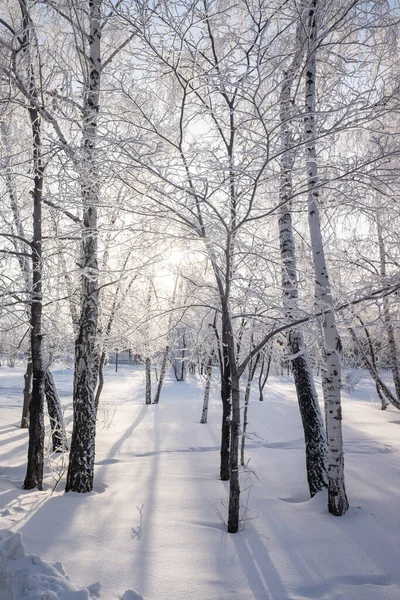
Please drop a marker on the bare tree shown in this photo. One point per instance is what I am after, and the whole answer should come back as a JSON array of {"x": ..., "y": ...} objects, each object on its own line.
[
  {"x": 331, "y": 377},
  {"x": 314, "y": 432}
]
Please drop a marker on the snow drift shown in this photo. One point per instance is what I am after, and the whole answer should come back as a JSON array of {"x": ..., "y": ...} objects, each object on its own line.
[{"x": 26, "y": 576}]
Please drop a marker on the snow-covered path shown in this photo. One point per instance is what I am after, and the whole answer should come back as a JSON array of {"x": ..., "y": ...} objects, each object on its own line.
[{"x": 150, "y": 524}]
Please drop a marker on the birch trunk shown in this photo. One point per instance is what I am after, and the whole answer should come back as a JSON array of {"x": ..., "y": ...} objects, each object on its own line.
[
  {"x": 58, "y": 435},
  {"x": 27, "y": 393},
  {"x": 82, "y": 454},
  {"x": 313, "y": 426},
  {"x": 245, "y": 411},
  {"x": 204, "y": 412},
  {"x": 331, "y": 377}
]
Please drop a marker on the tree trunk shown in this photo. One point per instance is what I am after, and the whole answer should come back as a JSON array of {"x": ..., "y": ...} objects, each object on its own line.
[
  {"x": 148, "y": 379},
  {"x": 162, "y": 375},
  {"x": 82, "y": 454},
  {"x": 225, "y": 374},
  {"x": 204, "y": 413},
  {"x": 381, "y": 394},
  {"x": 331, "y": 377},
  {"x": 54, "y": 408},
  {"x": 167, "y": 347},
  {"x": 313, "y": 426},
  {"x": 234, "y": 486},
  {"x": 178, "y": 354},
  {"x": 96, "y": 363},
  {"x": 34, "y": 471},
  {"x": 245, "y": 411},
  {"x": 262, "y": 380},
  {"x": 100, "y": 380},
  {"x": 27, "y": 393},
  {"x": 226, "y": 414}
]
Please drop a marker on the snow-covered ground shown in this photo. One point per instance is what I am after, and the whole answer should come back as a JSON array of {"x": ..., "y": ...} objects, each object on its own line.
[{"x": 151, "y": 524}]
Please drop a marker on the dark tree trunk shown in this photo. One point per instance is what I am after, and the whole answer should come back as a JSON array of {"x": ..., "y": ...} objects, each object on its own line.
[
  {"x": 162, "y": 375},
  {"x": 387, "y": 319},
  {"x": 148, "y": 379},
  {"x": 226, "y": 415},
  {"x": 225, "y": 373},
  {"x": 54, "y": 408},
  {"x": 34, "y": 471},
  {"x": 252, "y": 367},
  {"x": 183, "y": 359},
  {"x": 381, "y": 394},
  {"x": 100, "y": 380},
  {"x": 96, "y": 366},
  {"x": 313, "y": 427},
  {"x": 392, "y": 398},
  {"x": 234, "y": 486},
  {"x": 262, "y": 380}
]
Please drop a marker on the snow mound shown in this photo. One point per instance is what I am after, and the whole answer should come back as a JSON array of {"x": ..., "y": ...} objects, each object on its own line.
[
  {"x": 26, "y": 577},
  {"x": 131, "y": 595}
]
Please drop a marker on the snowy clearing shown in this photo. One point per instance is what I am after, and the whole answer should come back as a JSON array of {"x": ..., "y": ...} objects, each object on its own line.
[{"x": 151, "y": 524}]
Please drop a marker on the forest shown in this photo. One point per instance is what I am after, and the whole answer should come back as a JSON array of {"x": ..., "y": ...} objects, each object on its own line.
[{"x": 199, "y": 275}]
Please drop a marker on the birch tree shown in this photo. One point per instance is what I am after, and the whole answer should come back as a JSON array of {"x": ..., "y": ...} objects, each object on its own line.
[
  {"x": 81, "y": 464},
  {"x": 331, "y": 376},
  {"x": 313, "y": 426}
]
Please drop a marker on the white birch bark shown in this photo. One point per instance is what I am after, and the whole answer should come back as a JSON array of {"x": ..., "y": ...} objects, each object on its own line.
[
  {"x": 250, "y": 374},
  {"x": 313, "y": 426},
  {"x": 337, "y": 499},
  {"x": 54, "y": 408},
  {"x": 81, "y": 465},
  {"x": 207, "y": 386}
]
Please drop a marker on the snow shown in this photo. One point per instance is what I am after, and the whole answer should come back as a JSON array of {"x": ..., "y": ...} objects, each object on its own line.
[
  {"x": 151, "y": 523},
  {"x": 27, "y": 576}
]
